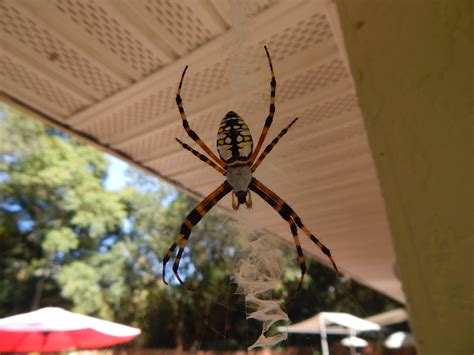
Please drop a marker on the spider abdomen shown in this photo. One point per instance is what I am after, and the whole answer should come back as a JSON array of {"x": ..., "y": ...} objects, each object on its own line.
[{"x": 234, "y": 141}]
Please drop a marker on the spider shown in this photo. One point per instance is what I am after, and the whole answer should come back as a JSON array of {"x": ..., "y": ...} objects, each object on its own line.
[{"x": 237, "y": 161}]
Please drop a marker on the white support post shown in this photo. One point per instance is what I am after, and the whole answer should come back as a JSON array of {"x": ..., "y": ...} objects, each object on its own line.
[{"x": 324, "y": 339}]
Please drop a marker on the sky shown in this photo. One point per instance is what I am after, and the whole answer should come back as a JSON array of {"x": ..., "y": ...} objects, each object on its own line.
[{"x": 116, "y": 178}]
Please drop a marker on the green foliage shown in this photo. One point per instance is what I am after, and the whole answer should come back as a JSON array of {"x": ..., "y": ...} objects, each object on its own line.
[
  {"x": 67, "y": 241},
  {"x": 62, "y": 239},
  {"x": 54, "y": 210},
  {"x": 85, "y": 291}
]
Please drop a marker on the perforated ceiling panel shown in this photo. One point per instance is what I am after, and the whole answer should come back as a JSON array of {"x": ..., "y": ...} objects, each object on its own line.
[
  {"x": 180, "y": 22},
  {"x": 61, "y": 102},
  {"x": 21, "y": 29},
  {"x": 107, "y": 71},
  {"x": 95, "y": 20}
]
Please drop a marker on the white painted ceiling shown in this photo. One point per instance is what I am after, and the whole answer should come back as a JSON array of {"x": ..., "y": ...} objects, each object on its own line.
[{"x": 107, "y": 71}]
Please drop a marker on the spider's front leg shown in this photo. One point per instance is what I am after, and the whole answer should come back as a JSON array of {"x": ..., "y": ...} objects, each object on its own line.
[
  {"x": 269, "y": 119},
  {"x": 192, "y": 134},
  {"x": 269, "y": 147},
  {"x": 189, "y": 222},
  {"x": 202, "y": 157}
]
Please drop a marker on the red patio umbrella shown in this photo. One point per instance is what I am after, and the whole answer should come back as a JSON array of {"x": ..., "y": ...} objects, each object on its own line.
[{"x": 55, "y": 329}]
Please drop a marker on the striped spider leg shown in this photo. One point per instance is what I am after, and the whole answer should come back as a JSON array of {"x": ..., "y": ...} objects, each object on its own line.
[
  {"x": 193, "y": 135},
  {"x": 269, "y": 119},
  {"x": 189, "y": 222},
  {"x": 202, "y": 157},
  {"x": 269, "y": 147},
  {"x": 289, "y": 215}
]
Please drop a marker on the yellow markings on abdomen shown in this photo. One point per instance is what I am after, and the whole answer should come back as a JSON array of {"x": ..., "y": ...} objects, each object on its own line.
[{"x": 234, "y": 141}]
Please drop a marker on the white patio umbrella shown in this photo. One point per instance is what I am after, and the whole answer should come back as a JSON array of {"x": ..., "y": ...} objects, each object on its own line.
[
  {"x": 394, "y": 316},
  {"x": 399, "y": 339},
  {"x": 354, "y": 342},
  {"x": 331, "y": 323},
  {"x": 55, "y": 329}
]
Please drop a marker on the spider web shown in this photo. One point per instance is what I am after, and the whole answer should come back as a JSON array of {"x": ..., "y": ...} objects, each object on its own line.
[
  {"x": 245, "y": 59},
  {"x": 256, "y": 270},
  {"x": 256, "y": 267},
  {"x": 256, "y": 262}
]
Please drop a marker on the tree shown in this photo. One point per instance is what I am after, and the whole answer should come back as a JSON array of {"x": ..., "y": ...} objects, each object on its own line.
[{"x": 54, "y": 215}]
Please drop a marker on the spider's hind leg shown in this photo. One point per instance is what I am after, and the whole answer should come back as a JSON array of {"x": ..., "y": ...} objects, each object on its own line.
[
  {"x": 315, "y": 240},
  {"x": 283, "y": 205},
  {"x": 301, "y": 261},
  {"x": 168, "y": 256},
  {"x": 292, "y": 218},
  {"x": 285, "y": 213}
]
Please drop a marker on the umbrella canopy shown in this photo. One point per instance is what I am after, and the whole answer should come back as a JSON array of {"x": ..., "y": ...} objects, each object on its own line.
[
  {"x": 399, "y": 340},
  {"x": 346, "y": 324},
  {"x": 55, "y": 329},
  {"x": 354, "y": 342},
  {"x": 390, "y": 317},
  {"x": 331, "y": 323}
]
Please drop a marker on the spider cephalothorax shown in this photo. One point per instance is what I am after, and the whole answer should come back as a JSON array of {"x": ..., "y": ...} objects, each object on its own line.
[{"x": 237, "y": 161}]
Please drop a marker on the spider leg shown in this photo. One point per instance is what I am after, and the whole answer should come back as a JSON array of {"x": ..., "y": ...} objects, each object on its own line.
[
  {"x": 269, "y": 120},
  {"x": 189, "y": 222},
  {"x": 277, "y": 204},
  {"x": 235, "y": 205},
  {"x": 249, "y": 200},
  {"x": 202, "y": 157},
  {"x": 256, "y": 185},
  {"x": 194, "y": 136},
  {"x": 269, "y": 147}
]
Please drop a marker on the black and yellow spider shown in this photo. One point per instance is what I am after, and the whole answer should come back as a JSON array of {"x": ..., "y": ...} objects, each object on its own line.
[{"x": 237, "y": 162}]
